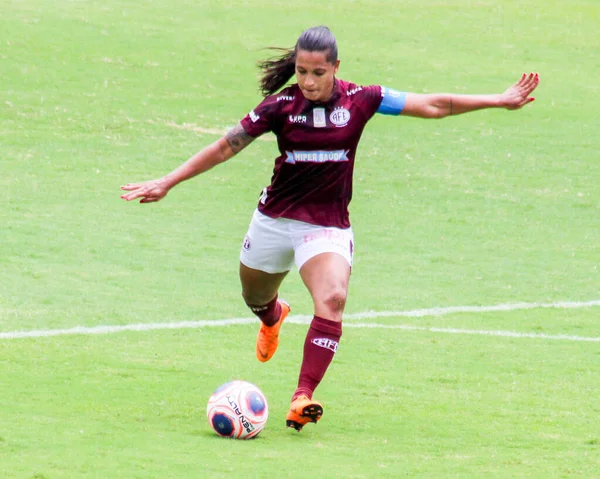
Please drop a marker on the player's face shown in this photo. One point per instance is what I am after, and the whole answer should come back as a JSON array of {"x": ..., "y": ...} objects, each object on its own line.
[{"x": 315, "y": 75}]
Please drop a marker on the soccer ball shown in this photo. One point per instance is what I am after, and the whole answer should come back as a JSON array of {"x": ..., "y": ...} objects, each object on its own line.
[{"x": 238, "y": 410}]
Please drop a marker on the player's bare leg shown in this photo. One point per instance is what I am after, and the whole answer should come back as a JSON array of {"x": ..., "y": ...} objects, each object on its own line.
[
  {"x": 259, "y": 290},
  {"x": 326, "y": 276}
]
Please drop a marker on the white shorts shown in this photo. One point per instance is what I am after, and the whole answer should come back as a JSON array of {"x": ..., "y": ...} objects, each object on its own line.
[{"x": 273, "y": 245}]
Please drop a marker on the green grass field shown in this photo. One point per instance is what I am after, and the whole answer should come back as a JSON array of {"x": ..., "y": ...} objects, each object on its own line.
[{"x": 486, "y": 209}]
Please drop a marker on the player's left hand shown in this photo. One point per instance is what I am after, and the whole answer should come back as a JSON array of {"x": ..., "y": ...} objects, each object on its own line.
[
  {"x": 517, "y": 95},
  {"x": 148, "y": 191}
]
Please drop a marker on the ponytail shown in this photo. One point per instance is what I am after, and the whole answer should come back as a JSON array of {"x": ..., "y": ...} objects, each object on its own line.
[{"x": 277, "y": 71}]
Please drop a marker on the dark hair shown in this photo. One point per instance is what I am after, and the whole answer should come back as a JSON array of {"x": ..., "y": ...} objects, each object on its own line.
[{"x": 276, "y": 71}]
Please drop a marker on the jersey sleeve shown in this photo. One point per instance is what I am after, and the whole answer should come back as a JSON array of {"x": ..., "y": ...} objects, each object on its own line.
[
  {"x": 260, "y": 120},
  {"x": 369, "y": 98}
]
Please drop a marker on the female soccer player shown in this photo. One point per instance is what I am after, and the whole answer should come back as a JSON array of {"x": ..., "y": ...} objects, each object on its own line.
[{"x": 302, "y": 216}]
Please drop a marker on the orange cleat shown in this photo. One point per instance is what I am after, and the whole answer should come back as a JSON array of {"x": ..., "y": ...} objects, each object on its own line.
[
  {"x": 302, "y": 411},
  {"x": 268, "y": 336}
]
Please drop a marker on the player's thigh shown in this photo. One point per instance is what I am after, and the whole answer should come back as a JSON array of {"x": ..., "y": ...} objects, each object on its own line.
[
  {"x": 312, "y": 240},
  {"x": 323, "y": 256},
  {"x": 266, "y": 256},
  {"x": 326, "y": 277}
]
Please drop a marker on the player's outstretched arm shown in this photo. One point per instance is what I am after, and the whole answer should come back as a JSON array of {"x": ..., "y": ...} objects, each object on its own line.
[
  {"x": 218, "y": 152},
  {"x": 440, "y": 105}
]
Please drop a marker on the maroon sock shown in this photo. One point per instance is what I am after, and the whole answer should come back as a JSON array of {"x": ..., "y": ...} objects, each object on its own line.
[
  {"x": 319, "y": 347},
  {"x": 268, "y": 313}
]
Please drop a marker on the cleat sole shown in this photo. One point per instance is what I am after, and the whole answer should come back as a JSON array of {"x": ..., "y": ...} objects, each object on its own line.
[
  {"x": 297, "y": 426},
  {"x": 310, "y": 413},
  {"x": 313, "y": 412}
]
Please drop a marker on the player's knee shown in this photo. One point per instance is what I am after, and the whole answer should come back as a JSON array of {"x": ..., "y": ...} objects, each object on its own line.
[
  {"x": 336, "y": 300},
  {"x": 252, "y": 299},
  {"x": 256, "y": 298}
]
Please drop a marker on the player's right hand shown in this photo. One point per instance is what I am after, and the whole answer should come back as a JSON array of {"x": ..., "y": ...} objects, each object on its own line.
[
  {"x": 149, "y": 191},
  {"x": 517, "y": 95}
]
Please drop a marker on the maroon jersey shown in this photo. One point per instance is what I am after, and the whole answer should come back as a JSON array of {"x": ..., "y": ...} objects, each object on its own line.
[{"x": 312, "y": 177}]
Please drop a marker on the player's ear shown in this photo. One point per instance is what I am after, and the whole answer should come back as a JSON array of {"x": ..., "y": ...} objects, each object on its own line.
[{"x": 336, "y": 67}]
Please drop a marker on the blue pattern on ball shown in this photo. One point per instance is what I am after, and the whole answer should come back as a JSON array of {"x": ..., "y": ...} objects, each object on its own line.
[
  {"x": 222, "y": 424},
  {"x": 256, "y": 403}
]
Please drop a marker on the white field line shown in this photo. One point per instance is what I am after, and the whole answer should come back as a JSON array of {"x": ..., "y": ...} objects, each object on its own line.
[{"x": 348, "y": 322}]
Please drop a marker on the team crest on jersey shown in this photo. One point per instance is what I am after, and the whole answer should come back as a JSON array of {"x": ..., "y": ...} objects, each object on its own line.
[
  {"x": 340, "y": 117},
  {"x": 319, "y": 118}
]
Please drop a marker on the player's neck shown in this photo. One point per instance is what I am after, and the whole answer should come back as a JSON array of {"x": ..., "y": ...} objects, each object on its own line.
[{"x": 328, "y": 96}]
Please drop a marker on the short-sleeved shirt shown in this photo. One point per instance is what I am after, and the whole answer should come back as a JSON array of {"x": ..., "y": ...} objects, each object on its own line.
[{"x": 312, "y": 177}]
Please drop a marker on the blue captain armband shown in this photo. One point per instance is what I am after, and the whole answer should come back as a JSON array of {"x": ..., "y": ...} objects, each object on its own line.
[{"x": 393, "y": 101}]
